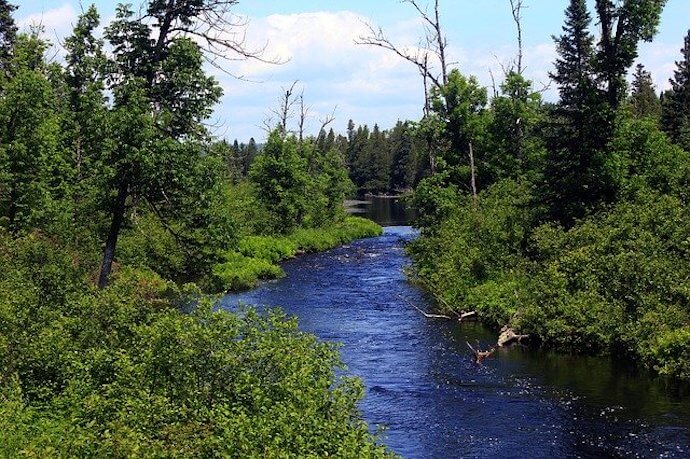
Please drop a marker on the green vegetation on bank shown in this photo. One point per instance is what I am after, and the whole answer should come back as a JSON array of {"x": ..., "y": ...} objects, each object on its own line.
[
  {"x": 114, "y": 200},
  {"x": 579, "y": 234},
  {"x": 122, "y": 372},
  {"x": 256, "y": 256}
]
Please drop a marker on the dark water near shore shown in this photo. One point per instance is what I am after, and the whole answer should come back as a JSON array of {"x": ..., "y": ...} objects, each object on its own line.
[
  {"x": 387, "y": 211},
  {"x": 422, "y": 385}
]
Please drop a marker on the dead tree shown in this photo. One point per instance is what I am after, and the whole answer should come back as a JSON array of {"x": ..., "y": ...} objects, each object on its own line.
[
  {"x": 303, "y": 114},
  {"x": 434, "y": 43},
  {"x": 516, "y": 9},
  {"x": 285, "y": 110}
]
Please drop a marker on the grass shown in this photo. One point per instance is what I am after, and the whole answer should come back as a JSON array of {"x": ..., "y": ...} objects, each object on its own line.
[{"x": 256, "y": 257}]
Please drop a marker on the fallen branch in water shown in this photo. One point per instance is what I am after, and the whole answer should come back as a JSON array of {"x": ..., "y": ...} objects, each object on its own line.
[
  {"x": 460, "y": 317},
  {"x": 426, "y": 314},
  {"x": 508, "y": 336},
  {"x": 480, "y": 356},
  {"x": 467, "y": 315}
]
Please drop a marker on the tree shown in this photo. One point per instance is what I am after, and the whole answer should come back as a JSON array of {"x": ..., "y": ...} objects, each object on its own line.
[
  {"x": 403, "y": 156},
  {"x": 676, "y": 103},
  {"x": 281, "y": 178},
  {"x": 458, "y": 109},
  {"x": 85, "y": 126},
  {"x": 623, "y": 24},
  {"x": 644, "y": 100},
  {"x": 34, "y": 173},
  {"x": 572, "y": 177},
  {"x": 376, "y": 161},
  {"x": 161, "y": 98},
  {"x": 516, "y": 145},
  {"x": 8, "y": 34}
]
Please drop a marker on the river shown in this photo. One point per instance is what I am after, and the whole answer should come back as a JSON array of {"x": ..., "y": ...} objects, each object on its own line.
[{"x": 434, "y": 402}]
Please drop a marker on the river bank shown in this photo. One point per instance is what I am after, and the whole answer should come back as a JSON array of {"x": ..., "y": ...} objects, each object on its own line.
[
  {"x": 421, "y": 384},
  {"x": 258, "y": 257}
]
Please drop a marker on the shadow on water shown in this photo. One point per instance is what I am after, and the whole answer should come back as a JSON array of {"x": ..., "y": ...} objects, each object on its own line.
[{"x": 422, "y": 385}]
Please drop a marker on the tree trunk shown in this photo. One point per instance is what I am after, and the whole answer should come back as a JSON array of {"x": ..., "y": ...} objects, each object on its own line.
[
  {"x": 473, "y": 179},
  {"x": 115, "y": 226}
]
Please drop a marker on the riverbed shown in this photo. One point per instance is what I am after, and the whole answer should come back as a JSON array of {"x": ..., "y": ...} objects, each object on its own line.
[{"x": 422, "y": 386}]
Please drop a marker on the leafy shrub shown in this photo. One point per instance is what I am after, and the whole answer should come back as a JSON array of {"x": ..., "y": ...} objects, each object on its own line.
[
  {"x": 121, "y": 372},
  {"x": 273, "y": 249},
  {"x": 241, "y": 273}
]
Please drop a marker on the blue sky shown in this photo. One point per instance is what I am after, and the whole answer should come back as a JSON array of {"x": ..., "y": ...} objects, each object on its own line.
[{"x": 316, "y": 39}]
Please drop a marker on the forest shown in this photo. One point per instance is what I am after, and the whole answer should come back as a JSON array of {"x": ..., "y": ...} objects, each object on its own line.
[{"x": 123, "y": 218}]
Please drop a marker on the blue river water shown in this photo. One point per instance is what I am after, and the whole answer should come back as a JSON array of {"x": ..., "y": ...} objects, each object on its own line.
[{"x": 435, "y": 402}]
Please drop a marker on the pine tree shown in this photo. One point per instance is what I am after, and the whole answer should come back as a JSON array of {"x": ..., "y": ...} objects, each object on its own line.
[
  {"x": 573, "y": 180},
  {"x": 676, "y": 105},
  {"x": 8, "y": 33},
  {"x": 644, "y": 100}
]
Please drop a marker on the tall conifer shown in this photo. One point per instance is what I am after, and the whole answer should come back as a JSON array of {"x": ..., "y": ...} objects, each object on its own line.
[{"x": 676, "y": 105}]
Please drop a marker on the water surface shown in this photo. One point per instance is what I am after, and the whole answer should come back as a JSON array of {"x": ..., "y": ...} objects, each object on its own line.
[{"x": 422, "y": 385}]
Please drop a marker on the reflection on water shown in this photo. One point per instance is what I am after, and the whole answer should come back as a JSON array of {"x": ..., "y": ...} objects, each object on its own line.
[
  {"x": 386, "y": 211},
  {"x": 421, "y": 383}
]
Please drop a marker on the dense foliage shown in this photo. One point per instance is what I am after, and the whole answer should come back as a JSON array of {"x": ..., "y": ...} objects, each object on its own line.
[
  {"x": 113, "y": 198},
  {"x": 121, "y": 372},
  {"x": 579, "y": 233}
]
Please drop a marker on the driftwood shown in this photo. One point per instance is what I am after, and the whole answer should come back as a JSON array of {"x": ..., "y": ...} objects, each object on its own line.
[
  {"x": 509, "y": 336},
  {"x": 424, "y": 313},
  {"x": 460, "y": 317},
  {"x": 480, "y": 356}
]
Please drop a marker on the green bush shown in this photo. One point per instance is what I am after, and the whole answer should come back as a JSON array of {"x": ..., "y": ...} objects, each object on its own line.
[
  {"x": 273, "y": 249},
  {"x": 616, "y": 282},
  {"x": 241, "y": 273},
  {"x": 122, "y": 372}
]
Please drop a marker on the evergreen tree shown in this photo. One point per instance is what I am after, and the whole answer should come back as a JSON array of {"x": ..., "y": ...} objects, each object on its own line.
[
  {"x": 573, "y": 179},
  {"x": 250, "y": 154},
  {"x": 676, "y": 103},
  {"x": 8, "y": 34},
  {"x": 403, "y": 157},
  {"x": 377, "y": 161},
  {"x": 644, "y": 100}
]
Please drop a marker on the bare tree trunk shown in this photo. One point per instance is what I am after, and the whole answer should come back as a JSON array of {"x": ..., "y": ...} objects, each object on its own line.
[
  {"x": 113, "y": 233},
  {"x": 516, "y": 6},
  {"x": 441, "y": 43},
  {"x": 473, "y": 179}
]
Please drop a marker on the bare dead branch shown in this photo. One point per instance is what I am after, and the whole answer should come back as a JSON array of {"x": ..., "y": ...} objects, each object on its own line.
[
  {"x": 424, "y": 313},
  {"x": 480, "y": 356},
  {"x": 516, "y": 7},
  {"x": 328, "y": 119}
]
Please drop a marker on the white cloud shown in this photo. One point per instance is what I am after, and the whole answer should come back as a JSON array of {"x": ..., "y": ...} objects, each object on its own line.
[
  {"x": 57, "y": 21},
  {"x": 366, "y": 84}
]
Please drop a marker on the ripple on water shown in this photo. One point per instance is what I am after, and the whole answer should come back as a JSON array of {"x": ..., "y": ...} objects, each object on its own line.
[{"x": 421, "y": 383}]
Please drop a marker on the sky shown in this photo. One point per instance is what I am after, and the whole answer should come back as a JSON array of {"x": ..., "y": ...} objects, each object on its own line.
[{"x": 315, "y": 41}]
